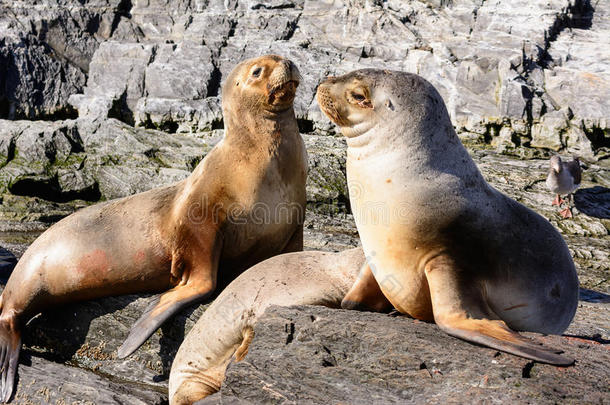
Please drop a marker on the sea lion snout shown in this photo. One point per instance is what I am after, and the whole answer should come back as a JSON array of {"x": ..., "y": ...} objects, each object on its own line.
[
  {"x": 283, "y": 71},
  {"x": 348, "y": 101},
  {"x": 282, "y": 83}
]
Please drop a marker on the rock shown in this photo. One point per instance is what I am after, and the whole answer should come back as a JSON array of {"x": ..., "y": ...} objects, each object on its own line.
[
  {"x": 321, "y": 355},
  {"x": 547, "y": 134},
  {"x": 116, "y": 78},
  {"x": 88, "y": 334},
  {"x": 43, "y": 381},
  {"x": 179, "y": 71},
  {"x": 179, "y": 116},
  {"x": 495, "y": 63},
  {"x": 326, "y": 181},
  {"x": 45, "y": 50},
  {"x": 7, "y": 263},
  {"x": 82, "y": 159}
]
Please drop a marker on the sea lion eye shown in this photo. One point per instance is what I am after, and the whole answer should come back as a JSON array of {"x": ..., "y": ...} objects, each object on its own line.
[
  {"x": 257, "y": 72},
  {"x": 359, "y": 99}
]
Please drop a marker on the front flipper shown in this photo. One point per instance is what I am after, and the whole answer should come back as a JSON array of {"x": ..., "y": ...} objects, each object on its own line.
[
  {"x": 460, "y": 311},
  {"x": 160, "y": 308},
  {"x": 365, "y": 294}
]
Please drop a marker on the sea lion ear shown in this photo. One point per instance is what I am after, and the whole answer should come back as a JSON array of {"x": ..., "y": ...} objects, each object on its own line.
[{"x": 388, "y": 103}]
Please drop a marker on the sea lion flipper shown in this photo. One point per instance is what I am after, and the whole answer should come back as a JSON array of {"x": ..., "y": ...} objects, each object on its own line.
[
  {"x": 461, "y": 311},
  {"x": 10, "y": 346},
  {"x": 497, "y": 335},
  {"x": 365, "y": 294},
  {"x": 242, "y": 350},
  {"x": 159, "y": 309}
]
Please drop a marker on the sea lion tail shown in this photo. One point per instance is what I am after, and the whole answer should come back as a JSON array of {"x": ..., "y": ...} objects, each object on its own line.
[{"x": 10, "y": 346}]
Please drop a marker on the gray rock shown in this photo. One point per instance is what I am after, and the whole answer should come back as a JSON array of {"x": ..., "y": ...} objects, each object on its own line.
[
  {"x": 548, "y": 132},
  {"x": 88, "y": 334},
  {"x": 83, "y": 159},
  {"x": 43, "y": 381},
  {"x": 503, "y": 64},
  {"x": 178, "y": 115},
  {"x": 321, "y": 355},
  {"x": 116, "y": 78},
  {"x": 326, "y": 182},
  {"x": 495, "y": 63},
  {"x": 179, "y": 72},
  {"x": 45, "y": 50}
]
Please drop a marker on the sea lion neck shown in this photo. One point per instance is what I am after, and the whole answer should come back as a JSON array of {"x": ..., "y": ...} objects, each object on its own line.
[{"x": 262, "y": 128}]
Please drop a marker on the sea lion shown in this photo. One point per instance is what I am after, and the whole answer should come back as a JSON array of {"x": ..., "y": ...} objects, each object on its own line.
[
  {"x": 225, "y": 330},
  {"x": 443, "y": 244},
  {"x": 245, "y": 202}
]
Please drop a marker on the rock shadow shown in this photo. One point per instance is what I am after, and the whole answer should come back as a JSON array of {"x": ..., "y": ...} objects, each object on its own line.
[
  {"x": 60, "y": 332},
  {"x": 8, "y": 261},
  {"x": 173, "y": 333},
  {"x": 593, "y": 296},
  {"x": 593, "y": 201}
]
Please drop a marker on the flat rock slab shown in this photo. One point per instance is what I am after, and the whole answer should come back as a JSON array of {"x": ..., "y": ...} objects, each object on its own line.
[
  {"x": 45, "y": 382},
  {"x": 325, "y": 356}
]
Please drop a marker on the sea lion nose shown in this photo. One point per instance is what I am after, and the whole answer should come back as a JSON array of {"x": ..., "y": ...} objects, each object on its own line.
[{"x": 288, "y": 65}]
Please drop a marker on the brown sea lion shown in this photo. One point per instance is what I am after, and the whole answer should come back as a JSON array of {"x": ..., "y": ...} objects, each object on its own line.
[
  {"x": 443, "y": 244},
  {"x": 244, "y": 203},
  {"x": 225, "y": 330}
]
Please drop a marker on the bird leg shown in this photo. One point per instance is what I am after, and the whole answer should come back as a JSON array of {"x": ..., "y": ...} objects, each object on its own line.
[
  {"x": 557, "y": 201},
  {"x": 567, "y": 211}
]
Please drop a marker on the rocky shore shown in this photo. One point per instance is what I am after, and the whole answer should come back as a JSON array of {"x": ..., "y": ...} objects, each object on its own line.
[{"x": 101, "y": 99}]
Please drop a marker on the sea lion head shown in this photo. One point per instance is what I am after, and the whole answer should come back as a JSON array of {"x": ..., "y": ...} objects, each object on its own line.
[
  {"x": 266, "y": 83},
  {"x": 373, "y": 98}
]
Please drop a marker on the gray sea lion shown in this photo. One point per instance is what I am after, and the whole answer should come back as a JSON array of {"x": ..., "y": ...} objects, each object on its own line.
[
  {"x": 443, "y": 244},
  {"x": 225, "y": 330},
  {"x": 244, "y": 203},
  {"x": 563, "y": 179}
]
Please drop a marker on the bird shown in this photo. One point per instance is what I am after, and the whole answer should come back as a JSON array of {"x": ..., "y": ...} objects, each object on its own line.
[{"x": 563, "y": 179}]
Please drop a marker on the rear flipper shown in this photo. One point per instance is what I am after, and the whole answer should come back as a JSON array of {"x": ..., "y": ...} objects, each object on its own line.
[
  {"x": 10, "y": 345},
  {"x": 460, "y": 310},
  {"x": 497, "y": 335},
  {"x": 365, "y": 294},
  {"x": 195, "y": 383},
  {"x": 160, "y": 308}
]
